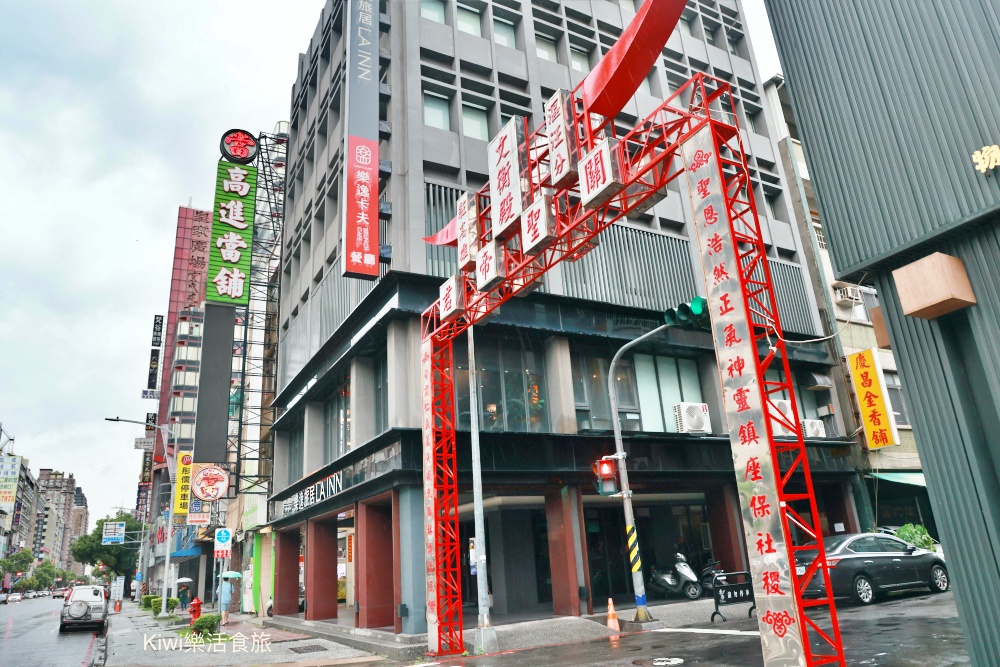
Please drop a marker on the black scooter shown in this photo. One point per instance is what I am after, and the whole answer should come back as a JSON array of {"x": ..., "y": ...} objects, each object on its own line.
[{"x": 708, "y": 577}]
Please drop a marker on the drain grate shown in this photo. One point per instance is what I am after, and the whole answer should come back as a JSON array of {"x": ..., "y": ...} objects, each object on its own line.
[{"x": 310, "y": 648}]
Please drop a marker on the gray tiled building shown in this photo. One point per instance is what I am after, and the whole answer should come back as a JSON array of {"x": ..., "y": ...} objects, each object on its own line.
[{"x": 451, "y": 74}]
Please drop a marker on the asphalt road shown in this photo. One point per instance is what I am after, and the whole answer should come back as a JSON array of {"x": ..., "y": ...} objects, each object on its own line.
[
  {"x": 907, "y": 630},
  {"x": 29, "y": 635}
]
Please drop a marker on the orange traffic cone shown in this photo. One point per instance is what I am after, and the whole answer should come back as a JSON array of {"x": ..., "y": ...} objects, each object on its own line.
[{"x": 612, "y": 616}]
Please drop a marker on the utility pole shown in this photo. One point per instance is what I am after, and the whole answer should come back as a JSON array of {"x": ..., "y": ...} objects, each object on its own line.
[
  {"x": 172, "y": 477},
  {"x": 486, "y": 634},
  {"x": 638, "y": 585}
]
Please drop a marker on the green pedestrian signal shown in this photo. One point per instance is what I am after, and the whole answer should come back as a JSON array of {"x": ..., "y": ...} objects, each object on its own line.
[{"x": 693, "y": 314}]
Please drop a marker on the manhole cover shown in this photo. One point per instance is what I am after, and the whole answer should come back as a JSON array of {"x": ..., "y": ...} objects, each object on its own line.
[{"x": 311, "y": 648}]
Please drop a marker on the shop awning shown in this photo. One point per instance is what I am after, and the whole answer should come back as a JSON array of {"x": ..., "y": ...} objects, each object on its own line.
[
  {"x": 186, "y": 554},
  {"x": 915, "y": 478}
]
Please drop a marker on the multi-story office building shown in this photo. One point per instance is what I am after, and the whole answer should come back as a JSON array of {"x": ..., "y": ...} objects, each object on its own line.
[
  {"x": 898, "y": 113},
  {"x": 450, "y": 75},
  {"x": 21, "y": 524},
  {"x": 894, "y": 476},
  {"x": 78, "y": 524},
  {"x": 51, "y": 533},
  {"x": 59, "y": 490}
]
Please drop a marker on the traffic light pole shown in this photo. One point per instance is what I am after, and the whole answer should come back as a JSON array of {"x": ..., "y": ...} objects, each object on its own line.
[{"x": 632, "y": 538}]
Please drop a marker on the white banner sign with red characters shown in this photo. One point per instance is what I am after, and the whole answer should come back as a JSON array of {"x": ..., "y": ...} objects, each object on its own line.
[
  {"x": 430, "y": 555},
  {"x": 600, "y": 176},
  {"x": 561, "y": 130},
  {"x": 506, "y": 162},
  {"x": 743, "y": 399},
  {"x": 452, "y": 297},
  {"x": 490, "y": 267},
  {"x": 538, "y": 229}
]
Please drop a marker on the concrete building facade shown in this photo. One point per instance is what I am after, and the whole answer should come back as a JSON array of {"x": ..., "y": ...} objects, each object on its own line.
[
  {"x": 899, "y": 113},
  {"x": 347, "y": 469},
  {"x": 59, "y": 490}
]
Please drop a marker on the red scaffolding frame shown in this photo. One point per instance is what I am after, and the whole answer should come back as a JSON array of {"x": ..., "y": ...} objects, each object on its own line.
[{"x": 649, "y": 159}]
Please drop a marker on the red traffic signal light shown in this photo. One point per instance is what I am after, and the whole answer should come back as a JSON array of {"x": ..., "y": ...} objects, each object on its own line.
[{"x": 607, "y": 477}]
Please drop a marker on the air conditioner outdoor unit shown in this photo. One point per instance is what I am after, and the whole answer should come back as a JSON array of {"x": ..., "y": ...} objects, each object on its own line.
[
  {"x": 692, "y": 418},
  {"x": 784, "y": 407},
  {"x": 813, "y": 428},
  {"x": 848, "y": 294}
]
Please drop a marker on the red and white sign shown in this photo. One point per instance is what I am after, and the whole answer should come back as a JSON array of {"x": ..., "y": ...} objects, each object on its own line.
[
  {"x": 360, "y": 223},
  {"x": 600, "y": 176},
  {"x": 743, "y": 401},
  {"x": 490, "y": 267},
  {"x": 563, "y": 150},
  {"x": 538, "y": 228},
  {"x": 427, "y": 432},
  {"x": 209, "y": 481},
  {"x": 452, "y": 297},
  {"x": 467, "y": 231},
  {"x": 506, "y": 163},
  {"x": 223, "y": 543}
]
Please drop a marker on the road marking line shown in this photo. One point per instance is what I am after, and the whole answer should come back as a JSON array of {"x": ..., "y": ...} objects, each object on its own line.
[{"x": 707, "y": 631}]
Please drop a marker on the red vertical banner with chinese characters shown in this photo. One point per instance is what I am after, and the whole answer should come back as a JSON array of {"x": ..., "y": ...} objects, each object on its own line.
[
  {"x": 359, "y": 223},
  {"x": 430, "y": 543},
  {"x": 743, "y": 400}
]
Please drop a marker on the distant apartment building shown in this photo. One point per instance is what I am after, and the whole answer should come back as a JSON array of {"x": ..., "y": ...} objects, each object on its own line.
[
  {"x": 78, "y": 524},
  {"x": 59, "y": 490}
]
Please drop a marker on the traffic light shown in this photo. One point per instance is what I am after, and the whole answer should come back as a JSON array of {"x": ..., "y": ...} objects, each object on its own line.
[
  {"x": 607, "y": 477},
  {"x": 693, "y": 314}
]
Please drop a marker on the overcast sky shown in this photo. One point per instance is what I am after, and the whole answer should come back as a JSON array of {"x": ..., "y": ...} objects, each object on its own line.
[{"x": 110, "y": 118}]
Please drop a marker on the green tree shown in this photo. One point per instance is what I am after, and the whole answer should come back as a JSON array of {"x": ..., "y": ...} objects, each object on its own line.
[
  {"x": 118, "y": 559},
  {"x": 26, "y": 584},
  {"x": 18, "y": 562},
  {"x": 45, "y": 574}
]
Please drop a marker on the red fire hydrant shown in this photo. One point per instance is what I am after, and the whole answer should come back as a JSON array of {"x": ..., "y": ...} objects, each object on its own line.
[{"x": 195, "y": 609}]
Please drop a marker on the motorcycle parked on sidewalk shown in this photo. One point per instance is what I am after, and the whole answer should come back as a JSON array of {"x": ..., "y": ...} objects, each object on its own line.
[
  {"x": 708, "y": 577},
  {"x": 678, "y": 580}
]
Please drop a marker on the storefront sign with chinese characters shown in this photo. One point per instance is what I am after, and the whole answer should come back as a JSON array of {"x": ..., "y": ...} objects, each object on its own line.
[
  {"x": 869, "y": 387},
  {"x": 197, "y": 262},
  {"x": 359, "y": 226},
  {"x": 199, "y": 513},
  {"x": 467, "y": 226},
  {"x": 507, "y": 160},
  {"x": 430, "y": 541},
  {"x": 182, "y": 494},
  {"x": 10, "y": 471},
  {"x": 743, "y": 400},
  {"x": 150, "y": 422},
  {"x": 223, "y": 543},
  {"x": 238, "y": 146},
  {"x": 146, "y": 476},
  {"x": 158, "y": 331},
  {"x": 563, "y": 146},
  {"x": 209, "y": 481},
  {"x": 490, "y": 266},
  {"x": 154, "y": 368},
  {"x": 538, "y": 229},
  {"x": 229, "y": 247},
  {"x": 152, "y": 394},
  {"x": 600, "y": 175},
  {"x": 988, "y": 157},
  {"x": 452, "y": 297}
]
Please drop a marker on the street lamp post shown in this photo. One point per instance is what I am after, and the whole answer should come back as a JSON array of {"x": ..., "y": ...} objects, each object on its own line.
[
  {"x": 167, "y": 434},
  {"x": 632, "y": 537}
]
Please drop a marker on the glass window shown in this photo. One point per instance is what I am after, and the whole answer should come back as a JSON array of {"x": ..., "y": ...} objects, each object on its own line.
[
  {"x": 545, "y": 48},
  {"x": 468, "y": 20},
  {"x": 625, "y": 385},
  {"x": 475, "y": 122},
  {"x": 734, "y": 41},
  {"x": 296, "y": 452},
  {"x": 381, "y": 394},
  {"x": 504, "y": 33},
  {"x": 337, "y": 423},
  {"x": 649, "y": 399},
  {"x": 865, "y": 545},
  {"x": 644, "y": 86},
  {"x": 433, "y": 10},
  {"x": 891, "y": 545},
  {"x": 579, "y": 60},
  {"x": 437, "y": 111},
  {"x": 685, "y": 25},
  {"x": 511, "y": 386},
  {"x": 896, "y": 402}
]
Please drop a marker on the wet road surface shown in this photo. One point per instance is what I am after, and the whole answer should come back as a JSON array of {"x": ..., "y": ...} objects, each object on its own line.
[{"x": 30, "y": 637}]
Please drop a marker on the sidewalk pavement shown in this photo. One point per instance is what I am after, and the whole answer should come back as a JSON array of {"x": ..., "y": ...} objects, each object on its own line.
[{"x": 136, "y": 639}]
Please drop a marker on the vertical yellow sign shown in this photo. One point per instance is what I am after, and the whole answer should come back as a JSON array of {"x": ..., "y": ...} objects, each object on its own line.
[
  {"x": 182, "y": 494},
  {"x": 869, "y": 386}
]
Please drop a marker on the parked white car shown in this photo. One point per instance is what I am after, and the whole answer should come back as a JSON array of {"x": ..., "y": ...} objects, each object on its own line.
[{"x": 85, "y": 605}]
